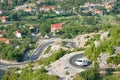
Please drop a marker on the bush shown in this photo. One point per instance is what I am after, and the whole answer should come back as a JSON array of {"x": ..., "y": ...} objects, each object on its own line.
[
  {"x": 114, "y": 59},
  {"x": 90, "y": 74}
]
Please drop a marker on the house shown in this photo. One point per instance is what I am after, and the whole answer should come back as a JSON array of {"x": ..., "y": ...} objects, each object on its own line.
[
  {"x": 42, "y": 8},
  {"x": 1, "y": 11},
  {"x": 34, "y": 29},
  {"x": 4, "y": 19},
  {"x": 55, "y": 27},
  {"x": 1, "y": 1},
  {"x": 33, "y": 26},
  {"x": 50, "y": 8},
  {"x": 98, "y": 12},
  {"x": 2, "y": 33},
  {"x": 18, "y": 34},
  {"x": 107, "y": 6},
  {"x": 85, "y": 11},
  {"x": 46, "y": 8},
  {"x": 4, "y": 40},
  {"x": 10, "y": 1},
  {"x": 28, "y": 9}
]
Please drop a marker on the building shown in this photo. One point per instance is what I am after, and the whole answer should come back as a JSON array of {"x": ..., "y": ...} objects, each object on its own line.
[
  {"x": 42, "y": 8},
  {"x": 10, "y": 2},
  {"x": 46, "y": 8},
  {"x": 4, "y": 19},
  {"x": 2, "y": 33},
  {"x": 34, "y": 29},
  {"x": 50, "y": 8},
  {"x": 1, "y": 11},
  {"x": 28, "y": 9},
  {"x": 100, "y": 12},
  {"x": 1, "y": 0},
  {"x": 4, "y": 40},
  {"x": 107, "y": 6},
  {"x": 18, "y": 34},
  {"x": 55, "y": 27}
]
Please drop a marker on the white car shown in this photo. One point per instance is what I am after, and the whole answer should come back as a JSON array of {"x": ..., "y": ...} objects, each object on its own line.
[{"x": 81, "y": 62}]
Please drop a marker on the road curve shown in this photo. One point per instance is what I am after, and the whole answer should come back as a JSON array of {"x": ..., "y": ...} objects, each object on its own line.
[
  {"x": 75, "y": 57},
  {"x": 40, "y": 50},
  {"x": 33, "y": 57}
]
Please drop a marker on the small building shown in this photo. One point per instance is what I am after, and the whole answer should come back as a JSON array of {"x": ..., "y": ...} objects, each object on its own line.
[
  {"x": 5, "y": 40},
  {"x": 98, "y": 12},
  {"x": 107, "y": 6},
  {"x": 28, "y": 9},
  {"x": 42, "y": 8},
  {"x": 4, "y": 19},
  {"x": 1, "y": 11},
  {"x": 46, "y": 8},
  {"x": 50, "y": 8},
  {"x": 10, "y": 1},
  {"x": 18, "y": 34},
  {"x": 2, "y": 33},
  {"x": 1, "y": 1},
  {"x": 55, "y": 27},
  {"x": 34, "y": 29}
]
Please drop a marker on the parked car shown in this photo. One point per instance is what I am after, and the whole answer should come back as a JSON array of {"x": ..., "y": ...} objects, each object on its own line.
[{"x": 81, "y": 62}]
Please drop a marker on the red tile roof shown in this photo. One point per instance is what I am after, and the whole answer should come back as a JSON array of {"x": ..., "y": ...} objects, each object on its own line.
[
  {"x": 47, "y": 7},
  {"x": 55, "y": 27},
  {"x": 17, "y": 31},
  {"x": 10, "y": 2},
  {"x": 50, "y": 7},
  {"x": 98, "y": 11},
  {"x": 107, "y": 5},
  {"x": 28, "y": 9},
  {"x": 33, "y": 26},
  {"x": 4, "y": 17},
  {"x": 6, "y": 41}
]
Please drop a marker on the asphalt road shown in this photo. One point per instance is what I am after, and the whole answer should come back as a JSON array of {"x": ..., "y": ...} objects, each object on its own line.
[
  {"x": 33, "y": 57},
  {"x": 40, "y": 50}
]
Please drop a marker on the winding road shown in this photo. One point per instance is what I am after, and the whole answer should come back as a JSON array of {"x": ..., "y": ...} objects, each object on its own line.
[
  {"x": 75, "y": 57},
  {"x": 35, "y": 55}
]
